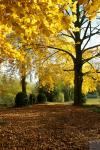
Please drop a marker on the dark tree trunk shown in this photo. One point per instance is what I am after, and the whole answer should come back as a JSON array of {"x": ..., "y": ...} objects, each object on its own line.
[
  {"x": 23, "y": 83},
  {"x": 78, "y": 79},
  {"x": 78, "y": 76}
]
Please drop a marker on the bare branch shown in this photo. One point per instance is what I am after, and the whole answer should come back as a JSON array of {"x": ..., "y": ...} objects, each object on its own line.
[
  {"x": 97, "y": 71},
  {"x": 50, "y": 56},
  {"x": 88, "y": 39},
  {"x": 68, "y": 70},
  {"x": 92, "y": 77},
  {"x": 96, "y": 28},
  {"x": 62, "y": 50},
  {"x": 95, "y": 46},
  {"x": 86, "y": 60},
  {"x": 92, "y": 34},
  {"x": 88, "y": 72},
  {"x": 82, "y": 19},
  {"x": 63, "y": 34},
  {"x": 72, "y": 34},
  {"x": 84, "y": 22},
  {"x": 84, "y": 36},
  {"x": 67, "y": 13}
]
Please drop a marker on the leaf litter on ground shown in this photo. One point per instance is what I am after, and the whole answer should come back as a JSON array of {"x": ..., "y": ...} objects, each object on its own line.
[{"x": 48, "y": 127}]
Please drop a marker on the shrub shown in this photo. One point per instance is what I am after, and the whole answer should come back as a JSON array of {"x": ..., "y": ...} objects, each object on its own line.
[
  {"x": 84, "y": 98},
  {"x": 41, "y": 98},
  {"x": 53, "y": 96},
  {"x": 32, "y": 99},
  {"x": 60, "y": 97},
  {"x": 50, "y": 96},
  {"x": 68, "y": 93},
  {"x": 21, "y": 99}
]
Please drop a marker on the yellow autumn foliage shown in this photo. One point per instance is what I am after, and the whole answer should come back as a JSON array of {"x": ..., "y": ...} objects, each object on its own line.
[{"x": 37, "y": 23}]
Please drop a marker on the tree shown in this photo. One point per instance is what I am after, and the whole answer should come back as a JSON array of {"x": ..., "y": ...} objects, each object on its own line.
[
  {"x": 86, "y": 29},
  {"x": 82, "y": 32},
  {"x": 70, "y": 20}
]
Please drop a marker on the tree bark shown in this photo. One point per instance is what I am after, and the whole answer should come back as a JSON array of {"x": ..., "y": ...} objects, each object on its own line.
[
  {"x": 78, "y": 79},
  {"x": 78, "y": 76},
  {"x": 23, "y": 84}
]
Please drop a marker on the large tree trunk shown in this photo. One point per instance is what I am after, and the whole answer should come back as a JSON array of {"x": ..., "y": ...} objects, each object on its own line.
[
  {"x": 78, "y": 79},
  {"x": 78, "y": 76},
  {"x": 23, "y": 84}
]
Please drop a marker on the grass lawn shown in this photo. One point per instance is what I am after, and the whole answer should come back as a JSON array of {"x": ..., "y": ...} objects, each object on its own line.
[
  {"x": 48, "y": 127},
  {"x": 93, "y": 101}
]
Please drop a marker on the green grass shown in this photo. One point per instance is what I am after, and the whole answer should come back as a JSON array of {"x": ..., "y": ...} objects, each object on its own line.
[
  {"x": 93, "y": 104},
  {"x": 59, "y": 103},
  {"x": 93, "y": 101},
  {"x": 89, "y": 102}
]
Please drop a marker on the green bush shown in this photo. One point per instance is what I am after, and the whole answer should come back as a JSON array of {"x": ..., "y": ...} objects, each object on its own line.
[
  {"x": 21, "y": 99},
  {"x": 84, "y": 98},
  {"x": 41, "y": 98},
  {"x": 32, "y": 99},
  {"x": 60, "y": 97},
  {"x": 50, "y": 96}
]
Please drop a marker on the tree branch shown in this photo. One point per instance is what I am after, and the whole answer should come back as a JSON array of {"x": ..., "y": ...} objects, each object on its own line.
[
  {"x": 85, "y": 32},
  {"x": 82, "y": 20},
  {"x": 86, "y": 60},
  {"x": 88, "y": 72},
  {"x": 92, "y": 77},
  {"x": 96, "y": 46},
  {"x": 96, "y": 28},
  {"x": 88, "y": 39},
  {"x": 68, "y": 70},
  {"x": 92, "y": 34},
  {"x": 49, "y": 56},
  {"x": 66, "y": 35},
  {"x": 72, "y": 34},
  {"x": 62, "y": 50}
]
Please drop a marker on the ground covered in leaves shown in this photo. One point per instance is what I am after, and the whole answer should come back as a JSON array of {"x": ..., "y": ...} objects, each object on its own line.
[{"x": 46, "y": 127}]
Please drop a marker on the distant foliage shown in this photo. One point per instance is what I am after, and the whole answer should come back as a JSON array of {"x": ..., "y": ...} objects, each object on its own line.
[
  {"x": 32, "y": 99},
  {"x": 8, "y": 89},
  {"x": 68, "y": 93},
  {"x": 21, "y": 99},
  {"x": 98, "y": 89},
  {"x": 84, "y": 98},
  {"x": 41, "y": 98},
  {"x": 60, "y": 93},
  {"x": 60, "y": 97},
  {"x": 56, "y": 96}
]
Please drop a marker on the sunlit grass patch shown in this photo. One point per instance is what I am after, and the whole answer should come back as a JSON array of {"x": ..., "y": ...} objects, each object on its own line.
[{"x": 93, "y": 101}]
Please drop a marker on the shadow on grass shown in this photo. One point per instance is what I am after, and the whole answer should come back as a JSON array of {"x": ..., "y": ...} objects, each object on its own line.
[{"x": 94, "y": 108}]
